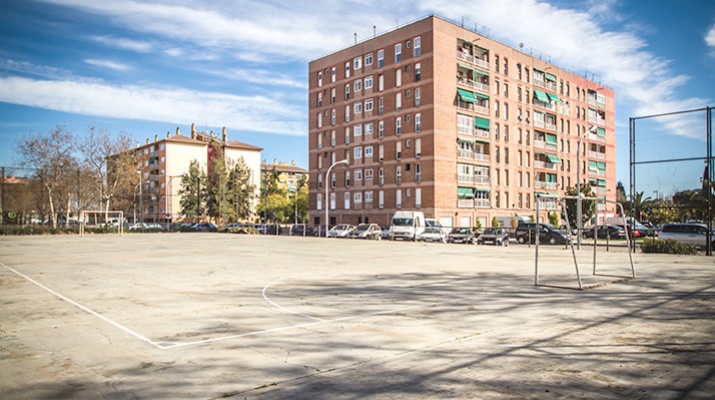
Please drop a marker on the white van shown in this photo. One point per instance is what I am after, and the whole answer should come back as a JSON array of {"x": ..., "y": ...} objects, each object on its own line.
[{"x": 407, "y": 225}]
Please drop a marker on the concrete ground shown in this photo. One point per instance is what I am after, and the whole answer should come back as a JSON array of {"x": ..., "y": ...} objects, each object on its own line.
[{"x": 208, "y": 315}]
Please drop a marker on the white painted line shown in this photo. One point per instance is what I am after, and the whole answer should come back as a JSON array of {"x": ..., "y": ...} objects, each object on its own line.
[
  {"x": 81, "y": 307},
  {"x": 284, "y": 309}
]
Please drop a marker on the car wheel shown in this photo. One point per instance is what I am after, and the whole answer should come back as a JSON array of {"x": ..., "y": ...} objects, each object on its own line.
[{"x": 521, "y": 240}]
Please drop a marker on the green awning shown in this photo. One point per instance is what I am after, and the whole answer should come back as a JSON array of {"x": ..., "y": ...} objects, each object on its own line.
[
  {"x": 465, "y": 192},
  {"x": 550, "y": 77},
  {"x": 538, "y": 70},
  {"x": 483, "y": 96},
  {"x": 465, "y": 66},
  {"x": 479, "y": 71},
  {"x": 484, "y": 190},
  {"x": 465, "y": 140},
  {"x": 541, "y": 96},
  {"x": 482, "y": 141},
  {"x": 602, "y": 182},
  {"x": 551, "y": 139},
  {"x": 554, "y": 159},
  {"x": 551, "y": 178},
  {"x": 601, "y": 165},
  {"x": 481, "y": 123},
  {"x": 592, "y": 165},
  {"x": 593, "y": 182},
  {"x": 601, "y": 131},
  {"x": 466, "y": 95},
  {"x": 554, "y": 97}
]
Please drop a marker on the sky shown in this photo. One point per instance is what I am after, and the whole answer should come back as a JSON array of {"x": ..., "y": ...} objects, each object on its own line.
[{"x": 146, "y": 67}]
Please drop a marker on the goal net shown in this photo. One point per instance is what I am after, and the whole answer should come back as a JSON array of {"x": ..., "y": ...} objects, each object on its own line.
[
  {"x": 109, "y": 221},
  {"x": 618, "y": 266}
]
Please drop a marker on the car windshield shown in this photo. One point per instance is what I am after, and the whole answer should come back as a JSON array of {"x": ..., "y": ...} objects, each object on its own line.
[
  {"x": 432, "y": 230},
  {"x": 460, "y": 230},
  {"x": 490, "y": 231},
  {"x": 402, "y": 221},
  {"x": 361, "y": 228},
  {"x": 340, "y": 227}
]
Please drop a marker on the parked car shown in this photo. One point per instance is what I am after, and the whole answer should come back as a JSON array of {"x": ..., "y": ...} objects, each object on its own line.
[
  {"x": 301, "y": 230},
  {"x": 206, "y": 227},
  {"x": 433, "y": 234},
  {"x": 340, "y": 230},
  {"x": 429, "y": 222},
  {"x": 461, "y": 235},
  {"x": 385, "y": 230},
  {"x": 606, "y": 232},
  {"x": 366, "y": 231},
  {"x": 495, "y": 236},
  {"x": 695, "y": 234},
  {"x": 526, "y": 232}
]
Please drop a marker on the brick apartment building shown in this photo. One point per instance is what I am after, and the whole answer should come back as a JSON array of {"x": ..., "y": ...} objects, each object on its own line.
[
  {"x": 435, "y": 117},
  {"x": 163, "y": 161}
]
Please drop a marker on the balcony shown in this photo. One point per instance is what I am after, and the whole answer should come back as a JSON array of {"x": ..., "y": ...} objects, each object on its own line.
[
  {"x": 465, "y": 203},
  {"x": 596, "y": 155},
  {"x": 481, "y": 179},
  {"x": 548, "y": 205},
  {"x": 545, "y": 165},
  {"x": 596, "y": 138},
  {"x": 593, "y": 101},
  {"x": 465, "y": 178},
  {"x": 545, "y": 185},
  {"x": 461, "y": 55},
  {"x": 481, "y": 203},
  {"x": 481, "y": 133},
  {"x": 540, "y": 144},
  {"x": 471, "y": 155},
  {"x": 473, "y": 84}
]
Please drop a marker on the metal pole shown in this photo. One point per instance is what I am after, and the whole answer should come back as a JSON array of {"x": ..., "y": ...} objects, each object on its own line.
[
  {"x": 632, "y": 151},
  {"x": 327, "y": 201},
  {"x": 141, "y": 202},
  {"x": 579, "y": 211},
  {"x": 708, "y": 114}
]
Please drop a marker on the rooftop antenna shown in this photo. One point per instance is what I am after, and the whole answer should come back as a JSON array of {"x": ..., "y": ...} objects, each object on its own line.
[{"x": 355, "y": 37}]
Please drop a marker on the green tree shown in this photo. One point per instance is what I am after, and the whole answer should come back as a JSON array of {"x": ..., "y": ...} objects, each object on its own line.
[
  {"x": 240, "y": 192},
  {"x": 495, "y": 222},
  {"x": 554, "y": 219},
  {"x": 588, "y": 207},
  {"x": 661, "y": 211},
  {"x": 638, "y": 203},
  {"x": 194, "y": 192},
  {"x": 217, "y": 179},
  {"x": 300, "y": 200}
]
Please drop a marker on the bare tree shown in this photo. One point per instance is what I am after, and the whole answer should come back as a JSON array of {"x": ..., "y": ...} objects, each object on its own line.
[
  {"x": 51, "y": 156},
  {"x": 110, "y": 162}
]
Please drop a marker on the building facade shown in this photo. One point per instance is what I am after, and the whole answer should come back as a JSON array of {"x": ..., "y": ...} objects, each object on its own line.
[
  {"x": 289, "y": 175},
  {"x": 435, "y": 117},
  {"x": 161, "y": 164}
]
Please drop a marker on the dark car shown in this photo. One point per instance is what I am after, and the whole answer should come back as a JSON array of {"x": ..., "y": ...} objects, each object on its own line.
[
  {"x": 495, "y": 236},
  {"x": 550, "y": 234},
  {"x": 606, "y": 232},
  {"x": 301, "y": 230},
  {"x": 461, "y": 235}
]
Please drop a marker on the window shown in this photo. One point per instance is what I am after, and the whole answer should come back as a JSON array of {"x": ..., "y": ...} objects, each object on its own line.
[
  {"x": 496, "y": 63},
  {"x": 320, "y": 120},
  {"x": 357, "y": 108},
  {"x": 332, "y": 139},
  {"x": 347, "y": 69},
  {"x": 417, "y": 46},
  {"x": 368, "y": 82},
  {"x": 506, "y": 89},
  {"x": 347, "y": 135},
  {"x": 333, "y": 117},
  {"x": 347, "y": 113},
  {"x": 357, "y": 197},
  {"x": 368, "y": 172},
  {"x": 418, "y": 173},
  {"x": 380, "y": 105},
  {"x": 398, "y": 174},
  {"x": 398, "y": 77},
  {"x": 380, "y": 153},
  {"x": 380, "y": 199},
  {"x": 368, "y": 128},
  {"x": 381, "y": 82},
  {"x": 347, "y": 200},
  {"x": 347, "y": 178},
  {"x": 357, "y": 130},
  {"x": 418, "y": 148},
  {"x": 418, "y": 72},
  {"x": 368, "y": 151},
  {"x": 398, "y": 150},
  {"x": 320, "y": 78},
  {"x": 320, "y": 100},
  {"x": 319, "y": 200},
  {"x": 381, "y": 129},
  {"x": 418, "y": 122},
  {"x": 368, "y": 196},
  {"x": 368, "y": 59},
  {"x": 357, "y": 152},
  {"x": 398, "y": 101},
  {"x": 333, "y": 74},
  {"x": 368, "y": 105},
  {"x": 398, "y": 126},
  {"x": 357, "y": 63},
  {"x": 380, "y": 58},
  {"x": 380, "y": 176},
  {"x": 418, "y": 97},
  {"x": 358, "y": 85},
  {"x": 332, "y": 96},
  {"x": 398, "y": 52}
]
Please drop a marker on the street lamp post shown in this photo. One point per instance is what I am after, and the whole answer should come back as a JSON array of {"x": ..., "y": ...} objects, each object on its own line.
[
  {"x": 579, "y": 202},
  {"x": 327, "y": 201},
  {"x": 141, "y": 202}
]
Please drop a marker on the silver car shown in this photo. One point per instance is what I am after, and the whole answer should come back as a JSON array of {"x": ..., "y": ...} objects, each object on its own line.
[{"x": 695, "y": 234}]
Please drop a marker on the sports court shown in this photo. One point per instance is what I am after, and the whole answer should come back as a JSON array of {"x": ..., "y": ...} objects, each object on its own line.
[{"x": 209, "y": 315}]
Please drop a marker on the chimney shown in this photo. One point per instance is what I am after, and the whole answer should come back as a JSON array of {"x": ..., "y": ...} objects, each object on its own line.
[
  {"x": 168, "y": 134},
  {"x": 193, "y": 131},
  {"x": 275, "y": 161},
  {"x": 156, "y": 138},
  {"x": 147, "y": 141},
  {"x": 292, "y": 163},
  {"x": 224, "y": 135},
  {"x": 178, "y": 132}
]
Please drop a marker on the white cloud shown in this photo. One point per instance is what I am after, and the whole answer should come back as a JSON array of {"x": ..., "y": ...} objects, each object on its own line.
[
  {"x": 107, "y": 64},
  {"x": 123, "y": 43},
  {"x": 174, "y": 105},
  {"x": 24, "y": 67},
  {"x": 710, "y": 37}
]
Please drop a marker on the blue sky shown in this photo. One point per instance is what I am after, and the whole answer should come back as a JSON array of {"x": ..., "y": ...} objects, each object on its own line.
[{"x": 148, "y": 67}]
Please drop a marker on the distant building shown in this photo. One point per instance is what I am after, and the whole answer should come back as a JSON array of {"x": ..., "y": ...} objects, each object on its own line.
[
  {"x": 163, "y": 162},
  {"x": 436, "y": 117},
  {"x": 289, "y": 176}
]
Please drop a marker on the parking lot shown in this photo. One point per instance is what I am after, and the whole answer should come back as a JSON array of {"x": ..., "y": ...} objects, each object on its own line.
[{"x": 211, "y": 315}]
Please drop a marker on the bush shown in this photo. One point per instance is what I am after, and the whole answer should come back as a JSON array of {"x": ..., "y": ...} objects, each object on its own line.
[{"x": 668, "y": 246}]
